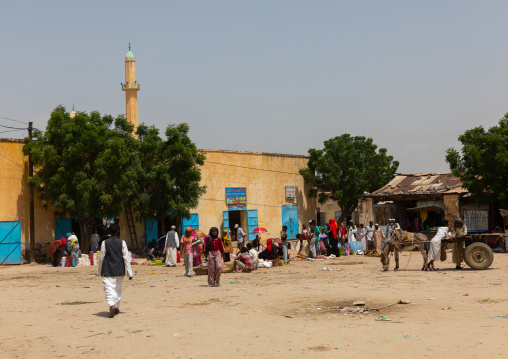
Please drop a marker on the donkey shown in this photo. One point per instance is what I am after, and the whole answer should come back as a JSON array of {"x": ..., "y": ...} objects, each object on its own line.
[{"x": 407, "y": 239}]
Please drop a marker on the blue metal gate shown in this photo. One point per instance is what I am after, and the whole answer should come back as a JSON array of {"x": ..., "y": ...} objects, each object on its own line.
[
  {"x": 151, "y": 230},
  {"x": 225, "y": 221},
  {"x": 290, "y": 219},
  {"x": 10, "y": 242},
  {"x": 192, "y": 221},
  {"x": 252, "y": 223},
  {"x": 62, "y": 227}
]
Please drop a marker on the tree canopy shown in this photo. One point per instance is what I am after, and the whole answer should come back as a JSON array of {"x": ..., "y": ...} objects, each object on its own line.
[
  {"x": 345, "y": 168},
  {"x": 482, "y": 165},
  {"x": 85, "y": 166},
  {"x": 169, "y": 176},
  {"x": 88, "y": 166}
]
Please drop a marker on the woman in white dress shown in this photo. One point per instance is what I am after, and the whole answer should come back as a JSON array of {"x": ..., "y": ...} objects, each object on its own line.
[{"x": 435, "y": 244}]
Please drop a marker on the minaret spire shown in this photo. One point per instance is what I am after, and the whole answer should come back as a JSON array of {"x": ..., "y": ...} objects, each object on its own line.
[{"x": 131, "y": 88}]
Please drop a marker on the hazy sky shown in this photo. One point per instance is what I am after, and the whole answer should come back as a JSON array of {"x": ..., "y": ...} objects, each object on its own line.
[{"x": 268, "y": 76}]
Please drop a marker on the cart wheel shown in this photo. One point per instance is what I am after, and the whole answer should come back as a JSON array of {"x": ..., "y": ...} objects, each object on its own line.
[{"x": 478, "y": 256}]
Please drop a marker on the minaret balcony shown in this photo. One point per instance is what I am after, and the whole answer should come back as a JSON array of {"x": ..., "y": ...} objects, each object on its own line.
[{"x": 131, "y": 86}]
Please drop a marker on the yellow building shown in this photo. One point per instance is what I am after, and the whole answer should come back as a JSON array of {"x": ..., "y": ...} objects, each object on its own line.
[
  {"x": 274, "y": 190},
  {"x": 250, "y": 189}
]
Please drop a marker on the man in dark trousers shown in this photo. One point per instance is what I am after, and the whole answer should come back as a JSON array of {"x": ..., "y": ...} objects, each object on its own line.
[{"x": 114, "y": 259}]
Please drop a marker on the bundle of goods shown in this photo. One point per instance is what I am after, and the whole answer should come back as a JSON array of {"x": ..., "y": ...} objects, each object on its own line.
[{"x": 201, "y": 270}]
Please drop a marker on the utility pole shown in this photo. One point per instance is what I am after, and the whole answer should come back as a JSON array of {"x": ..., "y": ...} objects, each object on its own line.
[{"x": 31, "y": 196}]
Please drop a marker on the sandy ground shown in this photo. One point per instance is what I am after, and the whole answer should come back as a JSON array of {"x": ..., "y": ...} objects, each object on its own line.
[{"x": 283, "y": 312}]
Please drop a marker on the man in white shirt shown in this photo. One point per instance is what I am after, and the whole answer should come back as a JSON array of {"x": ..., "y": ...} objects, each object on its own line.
[
  {"x": 113, "y": 262},
  {"x": 240, "y": 236}
]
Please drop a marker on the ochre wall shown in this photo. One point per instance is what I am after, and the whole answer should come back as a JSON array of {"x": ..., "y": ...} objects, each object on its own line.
[
  {"x": 14, "y": 199},
  {"x": 264, "y": 175}
]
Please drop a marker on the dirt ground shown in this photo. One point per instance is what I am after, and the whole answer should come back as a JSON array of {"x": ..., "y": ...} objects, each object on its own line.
[{"x": 292, "y": 311}]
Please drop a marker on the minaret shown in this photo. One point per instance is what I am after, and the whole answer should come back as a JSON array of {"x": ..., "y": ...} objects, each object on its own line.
[{"x": 131, "y": 88}]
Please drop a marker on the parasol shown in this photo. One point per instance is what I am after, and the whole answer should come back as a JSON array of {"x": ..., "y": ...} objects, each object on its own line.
[
  {"x": 356, "y": 246},
  {"x": 259, "y": 230}
]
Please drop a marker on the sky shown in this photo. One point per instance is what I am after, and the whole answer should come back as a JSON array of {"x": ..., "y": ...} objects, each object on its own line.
[{"x": 266, "y": 75}]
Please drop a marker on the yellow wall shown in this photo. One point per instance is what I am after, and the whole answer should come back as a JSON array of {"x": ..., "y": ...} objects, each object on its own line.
[
  {"x": 264, "y": 175},
  {"x": 14, "y": 199}
]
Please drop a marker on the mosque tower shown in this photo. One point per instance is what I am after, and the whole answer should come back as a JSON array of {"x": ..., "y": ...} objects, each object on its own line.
[{"x": 131, "y": 88}]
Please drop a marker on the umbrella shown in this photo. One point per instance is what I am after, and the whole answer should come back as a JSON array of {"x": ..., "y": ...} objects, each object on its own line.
[
  {"x": 356, "y": 246},
  {"x": 259, "y": 230},
  {"x": 200, "y": 234}
]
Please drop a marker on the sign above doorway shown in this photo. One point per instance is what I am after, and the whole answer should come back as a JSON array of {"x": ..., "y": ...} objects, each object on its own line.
[
  {"x": 290, "y": 192},
  {"x": 236, "y": 195}
]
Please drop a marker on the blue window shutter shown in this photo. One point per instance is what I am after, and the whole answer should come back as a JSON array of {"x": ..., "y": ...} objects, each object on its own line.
[
  {"x": 225, "y": 221},
  {"x": 151, "y": 230},
  {"x": 192, "y": 221},
  {"x": 10, "y": 242},
  {"x": 252, "y": 223},
  {"x": 62, "y": 227}
]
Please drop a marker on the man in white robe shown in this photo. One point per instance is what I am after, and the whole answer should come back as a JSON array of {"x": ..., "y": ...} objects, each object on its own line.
[
  {"x": 113, "y": 262},
  {"x": 172, "y": 243},
  {"x": 435, "y": 244}
]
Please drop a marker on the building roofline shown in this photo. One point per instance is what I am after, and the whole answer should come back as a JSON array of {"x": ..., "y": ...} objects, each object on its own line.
[{"x": 253, "y": 153}]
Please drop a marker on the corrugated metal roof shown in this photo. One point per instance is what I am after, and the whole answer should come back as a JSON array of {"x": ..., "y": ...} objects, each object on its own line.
[{"x": 421, "y": 184}]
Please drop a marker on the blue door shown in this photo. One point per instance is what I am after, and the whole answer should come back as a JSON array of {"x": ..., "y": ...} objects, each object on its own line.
[
  {"x": 225, "y": 221},
  {"x": 10, "y": 242},
  {"x": 252, "y": 223},
  {"x": 62, "y": 227},
  {"x": 290, "y": 219},
  {"x": 192, "y": 221},
  {"x": 151, "y": 230}
]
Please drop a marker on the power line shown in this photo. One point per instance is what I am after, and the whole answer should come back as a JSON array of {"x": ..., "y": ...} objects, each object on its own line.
[
  {"x": 10, "y": 119},
  {"x": 252, "y": 168},
  {"x": 15, "y": 128}
]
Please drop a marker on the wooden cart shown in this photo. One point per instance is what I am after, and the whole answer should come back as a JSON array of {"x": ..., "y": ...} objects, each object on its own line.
[{"x": 478, "y": 255}]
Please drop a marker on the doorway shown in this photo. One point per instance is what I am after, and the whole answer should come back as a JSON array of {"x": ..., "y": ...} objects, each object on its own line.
[
  {"x": 238, "y": 217},
  {"x": 172, "y": 221}
]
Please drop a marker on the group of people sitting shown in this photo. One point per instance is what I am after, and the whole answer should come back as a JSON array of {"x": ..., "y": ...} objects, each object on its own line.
[{"x": 67, "y": 247}]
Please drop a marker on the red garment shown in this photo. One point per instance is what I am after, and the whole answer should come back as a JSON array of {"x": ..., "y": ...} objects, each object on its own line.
[
  {"x": 64, "y": 242},
  {"x": 216, "y": 244},
  {"x": 333, "y": 227},
  {"x": 269, "y": 244}
]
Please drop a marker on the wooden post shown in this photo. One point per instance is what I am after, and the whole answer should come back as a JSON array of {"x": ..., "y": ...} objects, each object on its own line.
[{"x": 31, "y": 196}]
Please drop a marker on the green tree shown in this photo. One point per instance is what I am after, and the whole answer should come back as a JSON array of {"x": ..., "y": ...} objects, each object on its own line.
[
  {"x": 169, "y": 173},
  {"x": 345, "y": 168},
  {"x": 483, "y": 165},
  {"x": 85, "y": 166}
]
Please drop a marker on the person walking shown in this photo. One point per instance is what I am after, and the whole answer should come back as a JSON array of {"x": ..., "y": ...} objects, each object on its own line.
[
  {"x": 214, "y": 250},
  {"x": 172, "y": 242},
  {"x": 284, "y": 239},
  {"x": 435, "y": 244},
  {"x": 361, "y": 235},
  {"x": 370, "y": 235},
  {"x": 379, "y": 237},
  {"x": 240, "y": 236},
  {"x": 113, "y": 263},
  {"x": 459, "y": 229},
  {"x": 186, "y": 250},
  {"x": 333, "y": 238}
]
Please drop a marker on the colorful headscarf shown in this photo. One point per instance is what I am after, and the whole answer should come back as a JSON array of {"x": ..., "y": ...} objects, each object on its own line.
[
  {"x": 269, "y": 244},
  {"x": 333, "y": 227}
]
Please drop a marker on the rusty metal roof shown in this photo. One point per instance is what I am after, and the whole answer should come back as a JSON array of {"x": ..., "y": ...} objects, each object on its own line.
[{"x": 420, "y": 184}]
